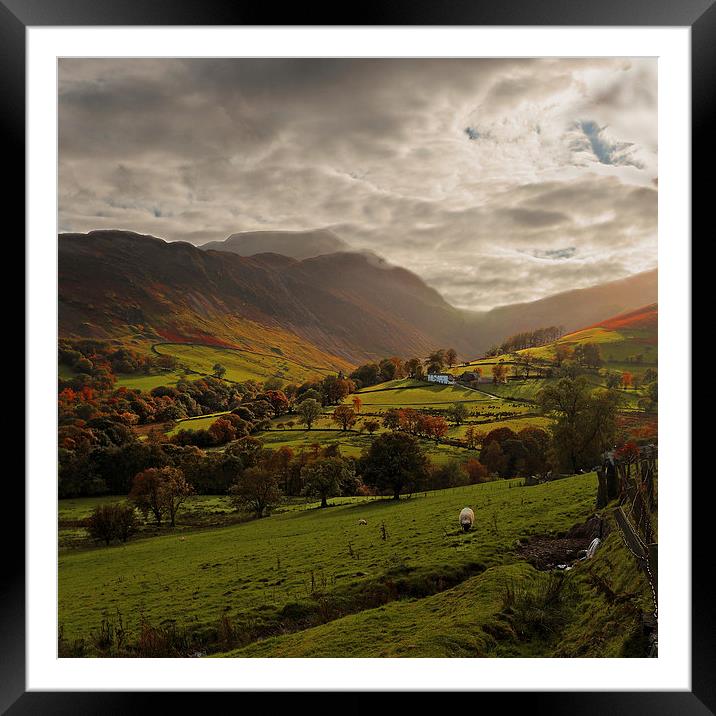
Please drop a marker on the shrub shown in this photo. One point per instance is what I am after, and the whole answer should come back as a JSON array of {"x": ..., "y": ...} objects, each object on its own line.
[{"x": 110, "y": 522}]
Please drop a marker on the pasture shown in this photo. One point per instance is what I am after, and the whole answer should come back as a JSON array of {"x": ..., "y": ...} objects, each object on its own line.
[
  {"x": 351, "y": 443},
  {"x": 134, "y": 381},
  {"x": 262, "y": 574},
  {"x": 241, "y": 365},
  {"x": 407, "y": 393},
  {"x": 200, "y": 422},
  {"x": 470, "y": 619}
]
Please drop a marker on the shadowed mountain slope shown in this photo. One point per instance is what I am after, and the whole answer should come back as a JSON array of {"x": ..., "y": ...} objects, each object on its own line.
[{"x": 351, "y": 305}]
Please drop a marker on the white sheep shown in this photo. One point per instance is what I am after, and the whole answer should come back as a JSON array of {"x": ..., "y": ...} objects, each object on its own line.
[
  {"x": 362, "y": 522},
  {"x": 467, "y": 518}
]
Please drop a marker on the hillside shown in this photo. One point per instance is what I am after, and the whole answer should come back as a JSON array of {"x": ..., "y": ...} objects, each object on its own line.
[
  {"x": 339, "y": 588},
  {"x": 578, "y": 308},
  {"x": 330, "y": 310}
]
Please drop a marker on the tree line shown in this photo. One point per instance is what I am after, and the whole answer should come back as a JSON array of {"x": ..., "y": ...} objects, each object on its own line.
[{"x": 527, "y": 339}]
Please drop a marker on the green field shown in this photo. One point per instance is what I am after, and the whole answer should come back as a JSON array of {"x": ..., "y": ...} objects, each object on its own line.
[
  {"x": 259, "y": 572},
  {"x": 135, "y": 381},
  {"x": 352, "y": 443},
  {"x": 240, "y": 365},
  {"x": 619, "y": 341},
  {"x": 407, "y": 393},
  {"x": 469, "y": 620},
  {"x": 528, "y": 389},
  {"x": 200, "y": 422}
]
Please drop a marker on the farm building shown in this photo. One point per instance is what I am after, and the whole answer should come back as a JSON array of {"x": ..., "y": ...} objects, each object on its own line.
[
  {"x": 443, "y": 378},
  {"x": 470, "y": 377}
]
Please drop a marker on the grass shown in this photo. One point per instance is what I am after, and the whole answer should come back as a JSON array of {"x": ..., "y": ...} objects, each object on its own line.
[
  {"x": 260, "y": 572},
  {"x": 408, "y": 393},
  {"x": 516, "y": 424},
  {"x": 618, "y": 341},
  {"x": 509, "y": 610},
  {"x": 200, "y": 422},
  {"x": 241, "y": 365},
  {"x": 351, "y": 443},
  {"x": 528, "y": 389},
  {"x": 453, "y": 623},
  {"x": 134, "y": 381}
]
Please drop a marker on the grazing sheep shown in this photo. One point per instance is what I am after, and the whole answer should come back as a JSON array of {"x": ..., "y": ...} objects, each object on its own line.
[
  {"x": 467, "y": 517},
  {"x": 362, "y": 522}
]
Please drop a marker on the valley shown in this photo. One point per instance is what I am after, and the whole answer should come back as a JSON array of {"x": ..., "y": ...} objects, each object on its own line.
[{"x": 256, "y": 460}]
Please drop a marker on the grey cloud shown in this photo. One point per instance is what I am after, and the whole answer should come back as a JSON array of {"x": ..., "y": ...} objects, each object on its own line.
[{"x": 460, "y": 170}]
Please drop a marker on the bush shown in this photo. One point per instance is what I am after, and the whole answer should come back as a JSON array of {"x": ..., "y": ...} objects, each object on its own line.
[{"x": 110, "y": 522}]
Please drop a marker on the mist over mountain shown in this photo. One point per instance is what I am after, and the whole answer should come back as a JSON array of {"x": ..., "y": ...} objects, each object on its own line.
[
  {"x": 297, "y": 244},
  {"x": 346, "y": 304}
]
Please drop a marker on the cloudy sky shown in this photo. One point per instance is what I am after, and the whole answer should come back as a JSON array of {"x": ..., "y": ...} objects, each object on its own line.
[{"x": 496, "y": 181}]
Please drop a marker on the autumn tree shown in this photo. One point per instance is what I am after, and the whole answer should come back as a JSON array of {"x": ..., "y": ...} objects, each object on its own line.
[
  {"x": 344, "y": 416},
  {"x": 110, "y": 522},
  {"x": 147, "y": 493},
  {"x": 278, "y": 401},
  {"x": 357, "y": 402},
  {"x": 335, "y": 388},
  {"x": 388, "y": 369},
  {"x": 562, "y": 352},
  {"x": 476, "y": 472},
  {"x": 371, "y": 425},
  {"x": 524, "y": 364},
  {"x": 499, "y": 373},
  {"x": 222, "y": 431},
  {"x": 436, "y": 428},
  {"x": 493, "y": 458},
  {"x": 219, "y": 370},
  {"x": 256, "y": 490},
  {"x": 175, "y": 490},
  {"x": 472, "y": 437},
  {"x": 414, "y": 368},
  {"x": 451, "y": 356},
  {"x": 160, "y": 491},
  {"x": 391, "y": 419}
]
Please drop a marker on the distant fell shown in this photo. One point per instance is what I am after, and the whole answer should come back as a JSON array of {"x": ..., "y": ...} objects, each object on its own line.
[
  {"x": 296, "y": 244},
  {"x": 338, "y": 308}
]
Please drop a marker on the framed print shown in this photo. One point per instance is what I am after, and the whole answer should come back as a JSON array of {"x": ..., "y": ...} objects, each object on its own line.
[{"x": 344, "y": 343}]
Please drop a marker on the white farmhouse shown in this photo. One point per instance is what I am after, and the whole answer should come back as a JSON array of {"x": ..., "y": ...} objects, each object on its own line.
[{"x": 444, "y": 378}]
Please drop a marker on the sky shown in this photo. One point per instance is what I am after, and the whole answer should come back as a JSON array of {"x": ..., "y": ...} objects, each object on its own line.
[{"x": 495, "y": 180}]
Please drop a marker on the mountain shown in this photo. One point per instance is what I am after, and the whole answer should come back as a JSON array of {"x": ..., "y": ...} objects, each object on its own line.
[
  {"x": 342, "y": 307},
  {"x": 577, "y": 308},
  {"x": 296, "y": 244}
]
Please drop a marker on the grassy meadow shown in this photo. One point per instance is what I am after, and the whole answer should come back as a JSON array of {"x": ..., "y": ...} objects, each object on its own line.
[
  {"x": 241, "y": 365},
  {"x": 301, "y": 567}
]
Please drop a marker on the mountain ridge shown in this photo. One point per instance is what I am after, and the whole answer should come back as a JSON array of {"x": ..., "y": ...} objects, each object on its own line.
[
  {"x": 347, "y": 304},
  {"x": 295, "y": 244}
]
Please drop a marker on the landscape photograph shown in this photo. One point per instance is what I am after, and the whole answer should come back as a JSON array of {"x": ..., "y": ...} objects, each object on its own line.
[{"x": 357, "y": 358}]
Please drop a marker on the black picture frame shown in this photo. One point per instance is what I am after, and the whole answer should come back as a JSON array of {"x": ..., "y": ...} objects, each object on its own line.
[{"x": 699, "y": 15}]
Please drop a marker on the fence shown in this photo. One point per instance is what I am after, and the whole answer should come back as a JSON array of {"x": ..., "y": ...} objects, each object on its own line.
[{"x": 631, "y": 479}]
